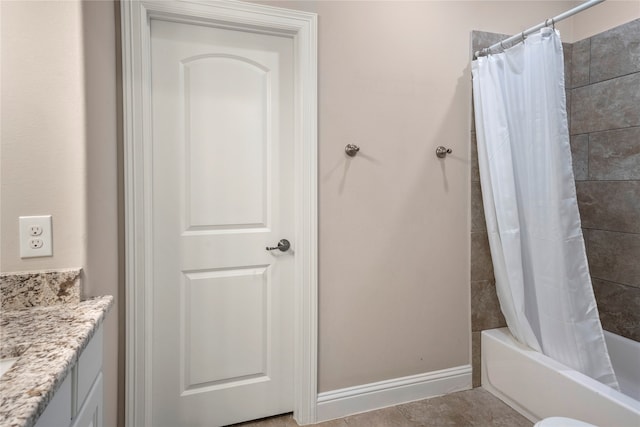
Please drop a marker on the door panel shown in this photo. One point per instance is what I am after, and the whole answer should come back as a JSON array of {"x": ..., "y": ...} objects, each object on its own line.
[
  {"x": 222, "y": 349},
  {"x": 227, "y": 115},
  {"x": 218, "y": 301}
]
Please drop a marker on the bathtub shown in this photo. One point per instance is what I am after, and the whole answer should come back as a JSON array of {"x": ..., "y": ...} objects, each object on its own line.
[{"x": 539, "y": 387}]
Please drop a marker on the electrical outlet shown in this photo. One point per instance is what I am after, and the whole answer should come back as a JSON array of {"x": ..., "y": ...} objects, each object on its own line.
[
  {"x": 35, "y": 236},
  {"x": 35, "y": 230},
  {"x": 36, "y": 243}
]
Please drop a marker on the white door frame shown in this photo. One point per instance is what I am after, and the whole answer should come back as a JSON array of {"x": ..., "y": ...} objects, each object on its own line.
[{"x": 301, "y": 27}]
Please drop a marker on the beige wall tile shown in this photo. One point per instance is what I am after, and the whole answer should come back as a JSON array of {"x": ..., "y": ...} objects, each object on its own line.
[
  {"x": 615, "y": 52},
  {"x": 619, "y": 307},
  {"x": 614, "y": 256},
  {"x": 615, "y": 154},
  {"x": 481, "y": 265},
  {"x": 580, "y": 156},
  {"x": 610, "y": 205},
  {"x": 611, "y": 104},
  {"x": 485, "y": 307}
]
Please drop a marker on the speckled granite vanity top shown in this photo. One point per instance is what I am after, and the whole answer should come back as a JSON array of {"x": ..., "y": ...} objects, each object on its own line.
[{"x": 47, "y": 341}]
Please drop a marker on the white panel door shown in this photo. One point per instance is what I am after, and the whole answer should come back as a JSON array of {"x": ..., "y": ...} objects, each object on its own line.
[{"x": 222, "y": 305}]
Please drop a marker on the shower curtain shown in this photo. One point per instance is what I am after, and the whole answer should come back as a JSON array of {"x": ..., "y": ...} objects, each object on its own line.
[{"x": 531, "y": 210}]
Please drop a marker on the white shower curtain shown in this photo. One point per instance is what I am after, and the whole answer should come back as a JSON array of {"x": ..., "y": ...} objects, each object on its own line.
[{"x": 531, "y": 210}]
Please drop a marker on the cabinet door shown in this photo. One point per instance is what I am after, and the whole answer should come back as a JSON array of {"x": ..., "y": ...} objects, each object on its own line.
[
  {"x": 58, "y": 412},
  {"x": 88, "y": 367},
  {"x": 90, "y": 415}
]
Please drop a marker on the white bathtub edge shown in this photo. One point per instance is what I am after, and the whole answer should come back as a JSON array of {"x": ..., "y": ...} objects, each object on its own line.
[
  {"x": 539, "y": 387},
  {"x": 503, "y": 334}
]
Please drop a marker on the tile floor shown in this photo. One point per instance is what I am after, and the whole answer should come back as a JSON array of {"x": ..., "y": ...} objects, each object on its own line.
[{"x": 475, "y": 407}]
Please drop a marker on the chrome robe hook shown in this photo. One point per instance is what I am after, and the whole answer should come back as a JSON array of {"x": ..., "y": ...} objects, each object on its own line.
[
  {"x": 442, "y": 152},
  {"x": 351, "y": 150}
]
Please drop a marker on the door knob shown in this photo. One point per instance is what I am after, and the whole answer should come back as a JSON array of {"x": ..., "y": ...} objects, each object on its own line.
[{"x": 283, "y": 245}]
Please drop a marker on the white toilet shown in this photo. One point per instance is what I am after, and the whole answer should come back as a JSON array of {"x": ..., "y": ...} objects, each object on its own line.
[{"x": 561, "y": 422}]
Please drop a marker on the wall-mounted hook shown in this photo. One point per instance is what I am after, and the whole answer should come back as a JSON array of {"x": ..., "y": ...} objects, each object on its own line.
[
  {"x": 442, "y": 152},
  {"x": 351, "y": 150}
]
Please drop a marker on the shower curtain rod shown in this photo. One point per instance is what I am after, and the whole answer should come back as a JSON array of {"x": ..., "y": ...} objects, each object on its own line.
[{"x": 520, "y": 37}]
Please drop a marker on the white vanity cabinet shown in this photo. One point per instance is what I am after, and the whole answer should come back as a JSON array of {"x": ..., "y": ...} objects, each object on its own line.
[{"x": 78, "y": 401}]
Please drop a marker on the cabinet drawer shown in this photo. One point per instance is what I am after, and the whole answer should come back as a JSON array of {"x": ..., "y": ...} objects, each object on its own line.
[{"x": 88, "y": 368}]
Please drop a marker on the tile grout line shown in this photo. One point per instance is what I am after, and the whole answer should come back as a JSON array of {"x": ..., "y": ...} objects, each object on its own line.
[
  {"x": 589, "y": 67},
  {"x": 588, "y": 155},
  {"x": 635, "y": 233},
  {"x": 607, "y": 79},
  {"x": 604, "y": 130},
  {"x": 626, "y": 285},
  {"x": 590, "y": 83}
]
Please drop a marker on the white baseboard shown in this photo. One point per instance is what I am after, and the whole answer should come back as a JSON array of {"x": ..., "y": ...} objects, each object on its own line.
[{"x": 367, "y": 397}]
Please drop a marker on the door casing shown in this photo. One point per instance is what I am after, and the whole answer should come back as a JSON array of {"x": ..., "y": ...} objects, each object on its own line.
[{"x": 302, "y": 28}]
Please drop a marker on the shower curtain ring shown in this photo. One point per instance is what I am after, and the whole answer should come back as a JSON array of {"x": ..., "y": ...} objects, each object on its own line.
[
  {"x": 523, "y": 37},
  {"x": 501, "y": 45},
  {"x": 553, "y": 23}
]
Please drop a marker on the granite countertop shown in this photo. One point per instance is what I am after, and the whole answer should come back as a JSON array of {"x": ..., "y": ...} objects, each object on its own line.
[{"x": 47, "y": 341}]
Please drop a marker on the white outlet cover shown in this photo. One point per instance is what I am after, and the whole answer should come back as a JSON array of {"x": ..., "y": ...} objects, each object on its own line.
[{"x": 44, "y": 222}]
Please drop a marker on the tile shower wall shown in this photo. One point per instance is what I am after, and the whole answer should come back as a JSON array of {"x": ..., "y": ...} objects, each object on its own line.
[{"x": 605, "y": 140}]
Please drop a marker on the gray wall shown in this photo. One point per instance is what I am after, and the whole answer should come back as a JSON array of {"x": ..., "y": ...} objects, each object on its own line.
[
  {"x": 605, "y": 139},
  {"x": 602, "y": 78}
]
